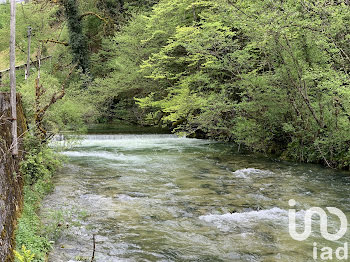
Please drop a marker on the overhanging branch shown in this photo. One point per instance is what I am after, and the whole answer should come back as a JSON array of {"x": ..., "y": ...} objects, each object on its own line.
[
  {"x": 94, "y": 14},
  {"x": 54, "y": 41}
]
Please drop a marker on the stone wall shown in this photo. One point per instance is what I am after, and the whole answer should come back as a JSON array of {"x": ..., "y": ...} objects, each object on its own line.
[{"x": 10, "y": 179}]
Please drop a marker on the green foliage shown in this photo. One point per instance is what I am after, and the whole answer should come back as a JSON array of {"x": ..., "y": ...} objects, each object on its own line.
[
  {"x": 40, "y": 161},
  {"x": 25, "y": 255},
  {"x": 117, "y": 66},
  {"x": 39, "y": 165},
  {"x": 135, "y": 43},
  {"x": 77, "y": 40},
  {"x": 296, "y": 98},
  {"x": 138, "y": 6},
  {"x": 71, "y": 113},
  {"x": 4, "y": 14},
  {"x": 271, "y": 76},
  {"x": 41, "y": 19},
  {"x": 30, "y": 228}
]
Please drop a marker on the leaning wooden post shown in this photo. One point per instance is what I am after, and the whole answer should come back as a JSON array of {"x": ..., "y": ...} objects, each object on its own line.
[
  {"x": 13, "y": 77},
  {"x": 28, "y": 55}
]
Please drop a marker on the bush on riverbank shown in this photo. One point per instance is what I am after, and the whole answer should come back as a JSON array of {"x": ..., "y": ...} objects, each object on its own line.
[{"x": 38, "y": 167}]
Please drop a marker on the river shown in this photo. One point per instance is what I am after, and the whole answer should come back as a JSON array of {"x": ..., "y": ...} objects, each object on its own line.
[{"x": 164, "y": 198}]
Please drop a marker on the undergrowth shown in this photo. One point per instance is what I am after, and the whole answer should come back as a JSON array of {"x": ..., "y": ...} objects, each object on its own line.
[{"x": 33, "y": 238}]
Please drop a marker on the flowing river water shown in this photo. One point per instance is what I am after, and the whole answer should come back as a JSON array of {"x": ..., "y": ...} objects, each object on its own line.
[{"x": 163, "y": 198}]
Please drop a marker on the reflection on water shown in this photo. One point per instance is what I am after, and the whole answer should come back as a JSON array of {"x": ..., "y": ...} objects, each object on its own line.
[{"x": 163, "y": 198}]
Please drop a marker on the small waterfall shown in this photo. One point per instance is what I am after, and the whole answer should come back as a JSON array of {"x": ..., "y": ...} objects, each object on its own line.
[
  {"x": 123, "y": 137},
  {"x": 64, "y": 137}
]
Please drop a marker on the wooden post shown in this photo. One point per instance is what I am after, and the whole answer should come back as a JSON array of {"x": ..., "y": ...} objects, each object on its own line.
[
  {"x": 28, "y": 55},
  {"x": 13, "y": 77}
]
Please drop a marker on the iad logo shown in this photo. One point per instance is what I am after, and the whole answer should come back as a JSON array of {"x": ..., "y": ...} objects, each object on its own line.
[
  {"x": 323, "y": 223},
  {"x": 327, "y": 252}
]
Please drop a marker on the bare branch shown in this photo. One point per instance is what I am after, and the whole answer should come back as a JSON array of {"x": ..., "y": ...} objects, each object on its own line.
[
  {"x": 94, "y": 14},
  {"x": 40, "y": 112},
  {"x": 54, "y": 41}
]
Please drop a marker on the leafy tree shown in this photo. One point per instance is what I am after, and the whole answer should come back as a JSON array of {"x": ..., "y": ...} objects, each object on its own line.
[
  {"x": 77, "y": 40},
  {"x": 272, "y": 76}
]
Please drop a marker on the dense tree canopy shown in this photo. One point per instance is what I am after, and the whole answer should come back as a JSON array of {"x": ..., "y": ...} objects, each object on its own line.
[{"x": 272, "y": 76}]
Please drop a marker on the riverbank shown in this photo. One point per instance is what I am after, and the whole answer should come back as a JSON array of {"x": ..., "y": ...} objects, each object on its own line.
[{"x": 33, "y": 238}]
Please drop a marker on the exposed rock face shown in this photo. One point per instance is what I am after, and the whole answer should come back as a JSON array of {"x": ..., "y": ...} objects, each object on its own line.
[{"x": 10, "y": 180}]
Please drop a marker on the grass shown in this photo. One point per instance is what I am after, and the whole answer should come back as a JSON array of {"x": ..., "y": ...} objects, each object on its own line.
[
  {"x": 30, "y": 232},
  {"x": 4, "y": 59},
  {"x": 33, "y": 238}
]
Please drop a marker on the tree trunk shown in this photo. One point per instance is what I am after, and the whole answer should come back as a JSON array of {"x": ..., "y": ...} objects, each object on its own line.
[{"x": 13, "y": 77}]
